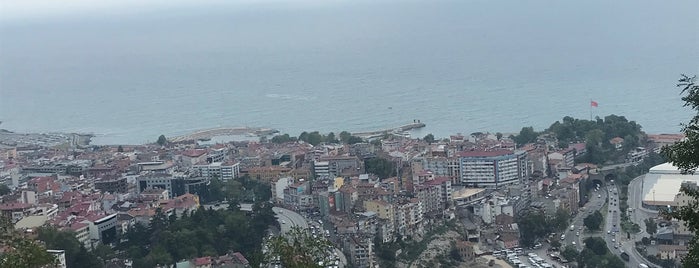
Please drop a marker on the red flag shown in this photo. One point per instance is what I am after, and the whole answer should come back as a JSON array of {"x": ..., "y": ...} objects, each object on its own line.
[{"x": 593, "y": 103}]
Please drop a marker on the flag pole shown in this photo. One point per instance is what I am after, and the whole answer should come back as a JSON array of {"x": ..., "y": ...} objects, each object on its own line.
[{"x": 590, "y": 109}]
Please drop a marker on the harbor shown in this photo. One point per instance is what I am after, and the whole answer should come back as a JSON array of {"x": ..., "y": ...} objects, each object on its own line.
[
  {"x": 208, "y": 134},
  {"x": 416, "y": 124}
]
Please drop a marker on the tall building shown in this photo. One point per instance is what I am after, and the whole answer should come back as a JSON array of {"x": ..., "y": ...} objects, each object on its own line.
[
  {"x": 224, "y": 171},
  {"x": 175, "y": 186},
  {"x": 491, "y": 169}
]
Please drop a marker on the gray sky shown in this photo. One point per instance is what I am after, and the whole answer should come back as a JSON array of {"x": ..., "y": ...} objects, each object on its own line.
[{"x": 40, "y": 9}]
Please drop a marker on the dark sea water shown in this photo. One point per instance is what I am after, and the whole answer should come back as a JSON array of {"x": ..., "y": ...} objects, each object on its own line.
[{"x": 458, "y": 66}]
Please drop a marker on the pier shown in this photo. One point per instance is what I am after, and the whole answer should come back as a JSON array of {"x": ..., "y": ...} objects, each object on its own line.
[
  {"x": 217, "y": 132},
  {"x": 396, "y": 130}
]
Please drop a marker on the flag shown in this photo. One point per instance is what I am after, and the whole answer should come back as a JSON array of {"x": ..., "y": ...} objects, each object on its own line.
[{"x": 593, "y": 103}]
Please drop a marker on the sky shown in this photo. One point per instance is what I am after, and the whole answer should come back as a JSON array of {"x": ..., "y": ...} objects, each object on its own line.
[{"x": 24, "y": 10}]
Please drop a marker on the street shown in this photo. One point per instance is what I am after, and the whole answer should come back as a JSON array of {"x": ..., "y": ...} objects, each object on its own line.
[
  {"x": 596, "y": 203},
  {"x": 288, "y": 219},
  {"x": 617, "y": 236}
]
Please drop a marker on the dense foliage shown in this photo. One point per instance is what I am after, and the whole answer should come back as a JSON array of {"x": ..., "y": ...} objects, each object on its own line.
[
  {"x": 381, "y": 167},
  {"x": 161, "y": 140},
  {"x": 684, "y": 154},
  {"x": 539, "y": 226},
  {"x": 20, "y": 251},
  {"x": 594, "y": 255},
  {"x": 297, "y": 248},
  {"x": 200, "y": 233},
  {"x": 593, "y": 221},
  {"x": 4, "y": 189},
  {"x": 597, "y": 135},
  {"x": 242, "y": 189},
  {"x": 314, "y": 138},
  {"x": 76, "y": 253}
]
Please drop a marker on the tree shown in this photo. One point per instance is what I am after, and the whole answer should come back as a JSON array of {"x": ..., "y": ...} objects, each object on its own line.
[
  {"x": 330, "y": 138},
  {"x": 570, "y": 253},
  {"x": 651, "y": 226},
  {"x": 20, "y": 251},
  {"x": 555, "y": 244},
  {"x": 526, "y": 135},
  {"x": 381, "y": 167},
  {"x": 120, "y": 149},
  {"x": 596, "y": 244},
  {"x": 297, "y": 248},
  {"x": 162, "y": 140},
  {"x": 4, "y": 189},
  {"x": 498, "y": 135},
  {"x": 593, "y": 221},
  {"x": 429, "y": 138},
  {"x": 345, "y": 136},
  {"x": 683, "y": 154},
  {"x": 76, "y": 254}
]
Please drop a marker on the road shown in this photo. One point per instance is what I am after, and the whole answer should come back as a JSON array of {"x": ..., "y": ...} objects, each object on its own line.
[
  {"x": 619, "y": 238},
  {"x": 596, "y": 203},
  {"x": 288, "y": 219}
]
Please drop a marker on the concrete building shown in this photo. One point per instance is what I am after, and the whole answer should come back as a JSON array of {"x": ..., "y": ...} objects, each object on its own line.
[
  {"x": 175, "y": 186},
  {"x": 112, "y": 184},
  {"x": 492, "y": 169},
  {"x": 103, "y": 228},
  {"x": 223, "y": 171},
  {"x": 662, "y": 184},
  {"x": 444, "y": 167}
]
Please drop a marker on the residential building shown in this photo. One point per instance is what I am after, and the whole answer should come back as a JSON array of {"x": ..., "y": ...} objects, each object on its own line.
[
  {"x": 223, "y": 171},
  {"x": 491, "y": 169},
  {"x": 103, "y": 228},
  {"x": 175, "y": 186},
  {"x": 112, "y": 184}
]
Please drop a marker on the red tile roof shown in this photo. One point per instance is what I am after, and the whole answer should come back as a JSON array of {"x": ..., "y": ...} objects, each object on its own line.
[{"x": 484, "y": 153}]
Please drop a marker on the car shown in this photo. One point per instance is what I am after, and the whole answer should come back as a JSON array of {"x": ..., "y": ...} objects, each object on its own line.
[
  {"x": 613, "y": 239},
  {"x": 577, "y": 233},
  {"x": 283, "y": 222},
  {"x": 573, "y": 243},
  {"x": 609, "y": 232},
  {"x": 615, "y": 246},
  {"x": 580, "y": 228},
  {"x": 599, "y": 196}
]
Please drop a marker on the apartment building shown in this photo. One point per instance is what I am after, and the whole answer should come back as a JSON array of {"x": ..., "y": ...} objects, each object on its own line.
[{"x": 492, "y": 169}]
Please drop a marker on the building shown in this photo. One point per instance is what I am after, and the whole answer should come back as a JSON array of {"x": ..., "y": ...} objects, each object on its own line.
[
  {"x": 466, "y": 251},
  {"x": 492, "y": 169},
  {"x": 60, "y": 256},
  {"x": 112, "y": 184},
  {"x": 103, "y": 228},
  {"x": 343, "y": 166},
  {"x": 175, "y": 186},
  {"x": 223, "y": 171},
  {"x": 321, "y": 169},
  {"x": 662, "y": 184},
  {"x": 444, "y": 167}
]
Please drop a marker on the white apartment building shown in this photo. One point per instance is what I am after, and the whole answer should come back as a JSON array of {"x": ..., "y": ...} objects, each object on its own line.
[{"x": 491, "y": 169}]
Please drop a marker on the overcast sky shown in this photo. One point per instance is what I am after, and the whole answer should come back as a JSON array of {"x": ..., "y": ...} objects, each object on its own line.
[{"x": 11, "y": 10}]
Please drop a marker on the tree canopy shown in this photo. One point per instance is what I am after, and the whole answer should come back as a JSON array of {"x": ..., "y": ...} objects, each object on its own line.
[
  {"x": 683, "y": 154},
  {"x": 381, "y": 167},
  {"x": 297, "y": 248},
  {"x": 161, "y": 140},
  {"x": 76, "y": 253},
  {"x": 20, "y": 251},
  {"x": 4, "y": 189},
  {"x": 199, "y": 233},
  {"x": 593, "y": 221},
  {"x": 538, "y": 225}
]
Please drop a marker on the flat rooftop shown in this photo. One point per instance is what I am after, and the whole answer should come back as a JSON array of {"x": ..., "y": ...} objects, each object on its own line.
[{"x": 662, "y": 184}]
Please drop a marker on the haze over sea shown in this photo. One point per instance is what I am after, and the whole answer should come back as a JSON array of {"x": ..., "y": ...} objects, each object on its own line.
[{"x": 130, "y": 73}]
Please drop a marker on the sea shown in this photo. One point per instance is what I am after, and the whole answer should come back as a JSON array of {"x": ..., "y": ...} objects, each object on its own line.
[{"x": 130, "y": 71}]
